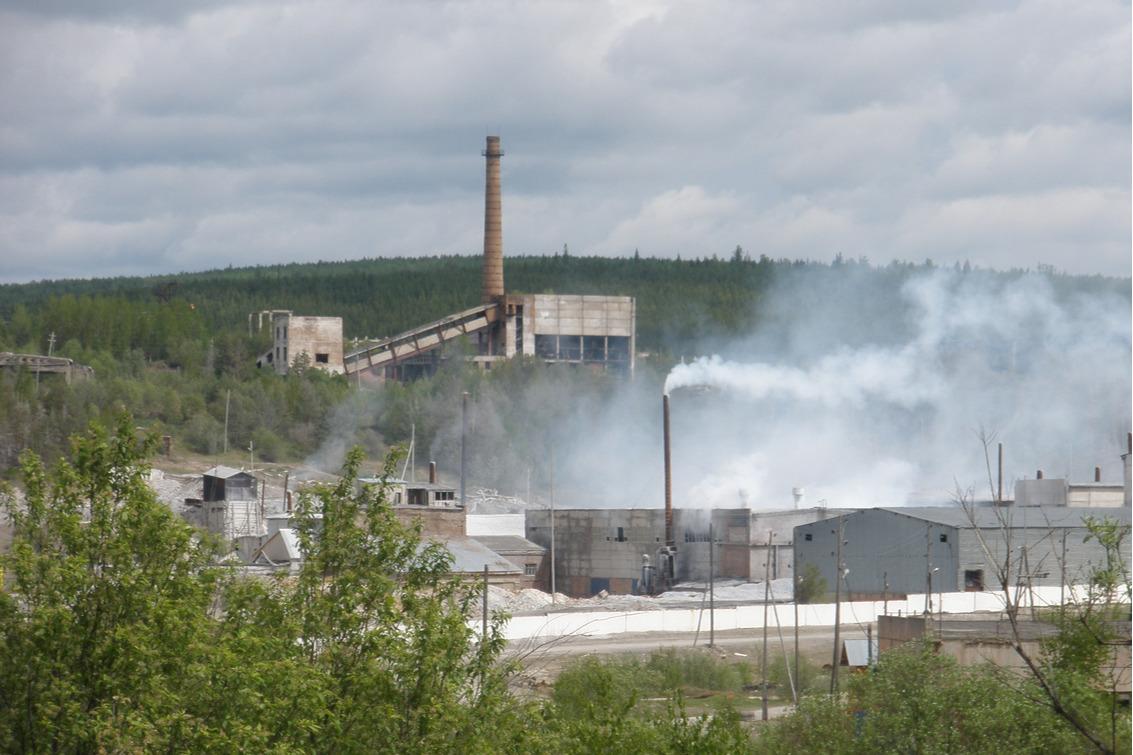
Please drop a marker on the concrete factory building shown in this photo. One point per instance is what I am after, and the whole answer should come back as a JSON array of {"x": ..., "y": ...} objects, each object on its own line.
[
  {"x": 942, "y": 549},
  {"x": 597, "y": 331},
  {"x": 317, "y": 341},
  {"x": 608, "y": 549}
]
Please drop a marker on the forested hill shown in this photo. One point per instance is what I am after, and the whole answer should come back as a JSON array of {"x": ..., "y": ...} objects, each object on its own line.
[{"x": 678, "y": 302}]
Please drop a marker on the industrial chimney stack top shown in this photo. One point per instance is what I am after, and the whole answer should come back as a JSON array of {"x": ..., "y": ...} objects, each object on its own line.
[{"x": 493, "y": 279}]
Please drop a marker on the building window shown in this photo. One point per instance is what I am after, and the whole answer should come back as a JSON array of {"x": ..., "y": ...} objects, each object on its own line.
[
  {"x": 529, "y": 570},
  {"x": 594, "y": 348},
  {"x": 621, "y": 538},
  {"x": 570, "y": 347},
  {"x": 617, "y": 348},
  {"x": 808, "y": 537},
  {"x": 943, "y": 537},
  {"x": 546, "y": 347},
  {"x": 322, "y": 358},
  {"x": 285, "y": 354},
  {"x": 973, "y": 580}
]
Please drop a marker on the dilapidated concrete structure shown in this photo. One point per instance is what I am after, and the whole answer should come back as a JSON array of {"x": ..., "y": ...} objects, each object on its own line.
[
  {"x": 583, "y": 329},
  {"x": 314, "y": 341},
  {"x": 229, "y": 506}
]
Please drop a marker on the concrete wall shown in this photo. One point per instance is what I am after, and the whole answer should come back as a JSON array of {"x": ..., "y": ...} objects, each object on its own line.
[
  {"x": 1043, "y": 564},
  {"x": 496, "y": 524},
  {"x": 559, "y": 314},
  {"x": 590, "y": 555},
  {"x": 777, "y": 529},
  {"x": 599, "y": 623},
  {"x": 1045, "y": 492},
  {"x": 439, "y": 522},
  {"x": 1096, "y": 496}
]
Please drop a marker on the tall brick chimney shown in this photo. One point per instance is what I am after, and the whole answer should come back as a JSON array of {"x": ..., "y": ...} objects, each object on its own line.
[{"x": 493, "y": 224}]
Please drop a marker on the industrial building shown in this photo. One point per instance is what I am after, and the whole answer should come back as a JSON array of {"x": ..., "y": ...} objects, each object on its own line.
[
  {"x": 432, "y": 506},
  {"x": 942, "y": 549},
  {"x": 314, "y": 341},
  {"x": 40, "y": 364},
  {"x": 607, "y": 549},
  {"x": 581, "y": 329},
  {"x": 229, "y": 505}
]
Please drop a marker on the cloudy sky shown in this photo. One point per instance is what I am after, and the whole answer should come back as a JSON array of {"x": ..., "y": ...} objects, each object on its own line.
[{"x": 139, "y": 137}]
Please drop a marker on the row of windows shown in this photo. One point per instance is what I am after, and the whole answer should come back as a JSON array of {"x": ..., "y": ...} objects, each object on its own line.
[{"x": 587, "y": 348}]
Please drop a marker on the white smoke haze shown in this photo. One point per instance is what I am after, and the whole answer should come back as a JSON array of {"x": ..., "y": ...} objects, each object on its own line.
[
  {"x": 894, "y": 419},
  {"x": 862, "y": 386}
]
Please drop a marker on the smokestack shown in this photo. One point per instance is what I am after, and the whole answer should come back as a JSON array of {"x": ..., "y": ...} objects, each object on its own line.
[
  {"x": 432, "y": 473},
  {"x": 493, "y": 224},
  {"x": 668, "y": 475},
  {"x": 1097, "y": 474},
  {"x": 999, "y": 489},
  {"x": 1039, "y": 475}
]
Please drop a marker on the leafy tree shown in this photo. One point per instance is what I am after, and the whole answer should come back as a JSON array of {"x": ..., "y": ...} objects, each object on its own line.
[
  {"x": 117, "y": 633},
  {"x": 917, "y": 701},
  {"x": 810, "y": 584},
  {"x": 109, "y": 599}
]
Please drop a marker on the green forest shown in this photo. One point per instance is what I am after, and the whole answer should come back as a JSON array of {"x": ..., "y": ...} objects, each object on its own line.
[{"x": 176, "y": 350}]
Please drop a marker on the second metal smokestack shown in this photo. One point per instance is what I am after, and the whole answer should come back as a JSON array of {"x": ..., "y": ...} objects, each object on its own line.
[
  {"x": 668, "y": 475},
  {"x": 493, "y": 224}
]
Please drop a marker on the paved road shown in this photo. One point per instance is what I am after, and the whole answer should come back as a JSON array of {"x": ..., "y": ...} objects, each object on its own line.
[{"x": 736, "y": 640}]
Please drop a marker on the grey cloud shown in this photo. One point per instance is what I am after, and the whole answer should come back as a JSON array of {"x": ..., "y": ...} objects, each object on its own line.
[{"x": 868, "y": 128}]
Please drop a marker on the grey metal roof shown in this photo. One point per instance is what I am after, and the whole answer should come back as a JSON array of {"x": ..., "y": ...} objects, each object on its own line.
[
  {"x": 508, "y": 544},
  {"x": 223, "y": 472},
  {"x": 469, "y": 556},
  {"x": 1011, "y": 516}
]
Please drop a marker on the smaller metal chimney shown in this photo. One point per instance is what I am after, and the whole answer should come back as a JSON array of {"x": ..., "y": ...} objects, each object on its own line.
[
  {"x": 432, "y": 473},
  {"x": 668, "y": 474},
  {"x": 1039, "y": 475},
  {"x": 1097, "y": 474}
]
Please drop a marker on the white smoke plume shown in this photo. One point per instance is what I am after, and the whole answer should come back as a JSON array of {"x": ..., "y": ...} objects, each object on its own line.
[{"x": 1046, "y": 372}]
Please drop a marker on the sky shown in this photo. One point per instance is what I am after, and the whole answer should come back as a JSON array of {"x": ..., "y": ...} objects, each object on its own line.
[{"x": 165, "y": 136}]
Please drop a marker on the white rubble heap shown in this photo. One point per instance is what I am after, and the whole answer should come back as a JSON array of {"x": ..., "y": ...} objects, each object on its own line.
[
  {"x": 686, "y": 594},
  {"x": 489, "y": 501}
]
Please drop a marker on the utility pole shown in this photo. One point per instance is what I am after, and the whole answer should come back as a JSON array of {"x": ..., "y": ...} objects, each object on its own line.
[
  {"x": 463, "y": 447},
  {"x": 1062, "y": 579},
  {"x": 413, "y": 452},
  {"x": 928, "y": 570},
  {"x": 766, "y": 600},
  {"x": 999, "y": 490},
  {"x": 837, "y": 606},
  {"x": 712, "y": 588},
  {"x": 795, "y": 600},
  {"x": 552, "y": 522},
  {"x": 484, "y": 611},
  {"x": 227, "y": 401}
]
